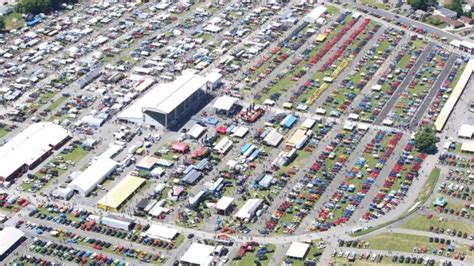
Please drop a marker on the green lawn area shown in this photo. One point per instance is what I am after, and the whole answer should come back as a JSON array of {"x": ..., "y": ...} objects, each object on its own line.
[
  {"x": 406, "y": 243},
  {"x": 374, "y": 3},
  {"x": 75, "y": 156},
  {"x": 332, "y": 9},
  {"x": 57, "y": 103},
  {"x": 3, "y": 132},
  {"x": 428, "y": 188},
  {"x": 422, "y": 223},
  {"x": 14, "y": 21},
  {"x": 250, "y": 257}
]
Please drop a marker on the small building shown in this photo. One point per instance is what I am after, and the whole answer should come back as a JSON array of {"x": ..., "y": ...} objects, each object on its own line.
[
  {"x": 224, "y": 204},
  {"x": 468, "y": 147},
  {"x": 63, "y": 193},
  {"x": 10, "y": 239},
  {"x": 147, "y": 163},
  {"x": 225, "y": 104},
  {"x": 315, "y": 14},
  {"x": 297, "y": 250},
  {"x": 198, "y": 254},
  {"x": 445, "y": 12},
  {"x": 466, "y": 131},
  {"x": 248, "y": 210}
]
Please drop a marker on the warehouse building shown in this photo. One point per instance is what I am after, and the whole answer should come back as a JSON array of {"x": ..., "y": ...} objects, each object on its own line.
[
  {"x": 95, "y": 174},
  {"x": 29, "y": 148},
  {"x": 115, "y": 198},
  {"x": 10, "y": 239},
  {"x": 168, "y": 104}
]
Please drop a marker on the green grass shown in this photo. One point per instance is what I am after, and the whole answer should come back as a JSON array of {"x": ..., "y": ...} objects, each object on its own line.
[
  {"x": 333, "y": 10},
  {"x": 422, "y": 223},
  {"x": 3, "y": 132},
  {"x": 14, "y": 21},
  {"x": 250, "y": 257},
  {"x": 429, "y": 186},
  {"x": 374, "y": 3},
  {"x": 57, "y": 103},
  {"x": 406, "y": 243},
  {"x": 75, "y": 156}
]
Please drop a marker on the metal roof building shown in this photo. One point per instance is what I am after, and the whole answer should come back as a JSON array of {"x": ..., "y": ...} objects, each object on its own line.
[
  {"x": 166, "y": 103},
  {"x": 88, "y": 180},
  {"x": 10, "y": 238},
  {"x": 29, "y": 148}
]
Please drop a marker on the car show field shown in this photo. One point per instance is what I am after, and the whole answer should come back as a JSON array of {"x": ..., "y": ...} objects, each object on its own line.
[{"x": 234, "y": 133}]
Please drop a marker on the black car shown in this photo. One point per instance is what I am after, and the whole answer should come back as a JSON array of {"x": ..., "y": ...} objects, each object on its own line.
[{"x": 190, "y": 236}]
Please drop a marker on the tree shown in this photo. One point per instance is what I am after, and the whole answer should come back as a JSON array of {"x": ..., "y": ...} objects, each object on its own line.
[
  {"x": 421, "y": 4},
  {"x": 456, "y": 6},
  {"x": 425, "y": 140}
]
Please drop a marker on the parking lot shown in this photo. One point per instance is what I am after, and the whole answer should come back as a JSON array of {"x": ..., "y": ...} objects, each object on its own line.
[{"x": 248, "y": 127}]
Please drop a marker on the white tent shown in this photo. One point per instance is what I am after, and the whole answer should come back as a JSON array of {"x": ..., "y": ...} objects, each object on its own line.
[
  {"x": 468, "y": 146},
  {"x": 196, "y": 131},
  {"x": 273, "y": 138},
  {"x": 225, "y": 103},
  {"x": 248, "y": 209},
  {"x": 240, "y": 132},
  {"x": 466, "y": 131},
  {"x": 198, "y": 254},
  {"x": 224, "y": 203},
  {"x": 297, "y": 250},
  {"x": 161, "y": 232}
]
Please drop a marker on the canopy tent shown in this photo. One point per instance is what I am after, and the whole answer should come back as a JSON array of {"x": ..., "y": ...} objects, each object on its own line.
[
  {"x": 225, "y": 103},
  {"x": 297, "y": 250}
]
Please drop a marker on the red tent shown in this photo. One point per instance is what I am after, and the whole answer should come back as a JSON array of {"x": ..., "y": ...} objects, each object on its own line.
[
  {"x": 180, "y": 147},
  {"x": 221, "y": 130}
]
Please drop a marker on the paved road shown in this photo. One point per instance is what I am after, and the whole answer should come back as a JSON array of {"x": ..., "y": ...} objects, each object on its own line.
[
  {"x": 406, "y": 81},
  {"x": 406, "y": 21}
]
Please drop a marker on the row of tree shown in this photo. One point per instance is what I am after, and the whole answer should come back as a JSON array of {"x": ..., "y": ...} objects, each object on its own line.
[
  {"x": 454, "y": 5},
  {"x": 37, "y": 6}
]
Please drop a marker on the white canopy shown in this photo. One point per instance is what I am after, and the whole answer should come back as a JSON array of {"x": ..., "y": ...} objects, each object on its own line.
[
  {"x": 225, "y": 102},
  {"x": 297, "y": 250}
]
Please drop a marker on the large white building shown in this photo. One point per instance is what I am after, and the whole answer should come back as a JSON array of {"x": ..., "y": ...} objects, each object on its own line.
[
  {"x": 167, "y": 103},
  {"x": 10, "y": 238},
  {"x": 29, "y": 148},
  {"x": 88, "y": 180}
]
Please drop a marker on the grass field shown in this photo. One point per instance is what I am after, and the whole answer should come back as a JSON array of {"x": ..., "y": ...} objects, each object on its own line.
[
  {"x": 250, "y": 257},
  {"x": 57, "y": 103},
  {"x": 14, "y": 21},
  {"x": 429, "y": 186},
  {"x": 422, "y": 223},
  {"x": 406, "y": 243}
]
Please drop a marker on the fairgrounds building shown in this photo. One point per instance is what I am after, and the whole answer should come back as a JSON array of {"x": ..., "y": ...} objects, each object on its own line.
[
  {"x": 168, "y": 104},
  {"x": 29, "y": 148}
]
